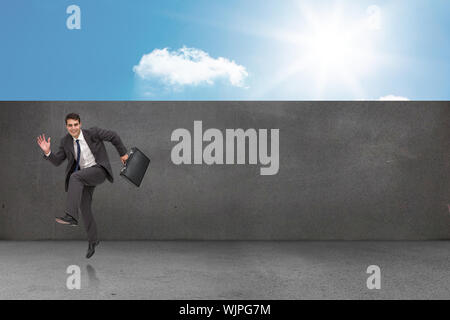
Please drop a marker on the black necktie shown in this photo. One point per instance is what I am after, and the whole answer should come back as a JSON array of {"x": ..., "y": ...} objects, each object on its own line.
[{"x": 77, "y": 167}]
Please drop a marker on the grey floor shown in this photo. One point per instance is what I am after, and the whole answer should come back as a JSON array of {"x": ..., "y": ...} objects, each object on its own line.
[{"x": 225, "y": 270}]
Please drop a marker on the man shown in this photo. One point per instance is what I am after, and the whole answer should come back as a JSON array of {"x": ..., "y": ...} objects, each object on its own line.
[{"x": 87, "y": 166}]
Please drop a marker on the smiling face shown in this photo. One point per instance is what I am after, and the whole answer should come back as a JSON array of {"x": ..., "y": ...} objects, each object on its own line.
[{"x": 73, "y": 127}]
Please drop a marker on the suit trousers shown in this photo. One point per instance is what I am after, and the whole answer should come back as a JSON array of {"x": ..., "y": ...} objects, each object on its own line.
[{"x": 79, "y": 196}]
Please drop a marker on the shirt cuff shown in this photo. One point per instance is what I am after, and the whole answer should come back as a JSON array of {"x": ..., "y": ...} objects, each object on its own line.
[{"x": 47, "y": 154}]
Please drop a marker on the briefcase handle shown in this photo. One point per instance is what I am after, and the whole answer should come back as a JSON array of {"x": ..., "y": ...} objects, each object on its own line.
[
  {"x": 130, "y": 155},
  {"x": 124, "y": 165}
]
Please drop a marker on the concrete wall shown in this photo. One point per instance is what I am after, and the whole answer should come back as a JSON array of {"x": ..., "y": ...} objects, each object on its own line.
[{"x": 348, "y": 170}]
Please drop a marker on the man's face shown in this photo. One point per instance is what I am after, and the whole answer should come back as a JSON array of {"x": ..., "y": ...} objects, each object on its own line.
[{"x": 73, "y": 127}]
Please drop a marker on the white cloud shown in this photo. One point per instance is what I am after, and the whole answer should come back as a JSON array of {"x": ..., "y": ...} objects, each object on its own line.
[
  {"x": 188, "y": 66},
  {"x": 391, "y": 97}
]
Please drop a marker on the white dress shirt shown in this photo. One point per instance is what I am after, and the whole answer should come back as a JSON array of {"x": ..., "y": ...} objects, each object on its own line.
[{"x": 87, "y": 159}]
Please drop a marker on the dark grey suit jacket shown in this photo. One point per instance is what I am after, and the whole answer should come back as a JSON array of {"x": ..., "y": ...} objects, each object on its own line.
[{"x": 94, "y": 138}]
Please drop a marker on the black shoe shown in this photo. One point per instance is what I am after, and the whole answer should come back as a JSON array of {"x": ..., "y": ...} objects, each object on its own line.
[
  {"x": 91, "y": 248},
  {"x": 68, "y": 220}
]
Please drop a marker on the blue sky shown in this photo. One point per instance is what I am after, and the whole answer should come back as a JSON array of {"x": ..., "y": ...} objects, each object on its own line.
[{"x": 225, "y": 50}]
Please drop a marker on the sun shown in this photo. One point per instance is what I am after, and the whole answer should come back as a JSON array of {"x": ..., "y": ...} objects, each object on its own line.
[
  {"x": 329, "y": 47},
  {"x": 332, "y": 49}
]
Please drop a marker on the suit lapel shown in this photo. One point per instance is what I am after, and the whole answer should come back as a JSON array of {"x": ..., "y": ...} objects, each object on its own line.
[
  {"x": 87, "y": 137},
  {"x": 70, "y": 145}
]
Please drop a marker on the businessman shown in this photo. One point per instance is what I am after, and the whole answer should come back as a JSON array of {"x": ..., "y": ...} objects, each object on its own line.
[{"x": 87, "y": 166}]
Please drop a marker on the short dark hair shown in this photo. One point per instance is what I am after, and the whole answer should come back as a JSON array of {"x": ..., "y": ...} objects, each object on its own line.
[{"x": 73, "y": 116}]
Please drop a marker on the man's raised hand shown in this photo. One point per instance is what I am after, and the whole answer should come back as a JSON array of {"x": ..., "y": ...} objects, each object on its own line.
[{"x": 45, "y": 145}]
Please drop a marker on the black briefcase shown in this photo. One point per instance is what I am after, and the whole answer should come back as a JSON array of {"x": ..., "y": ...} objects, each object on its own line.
[{"x": 135, "y": 167}]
